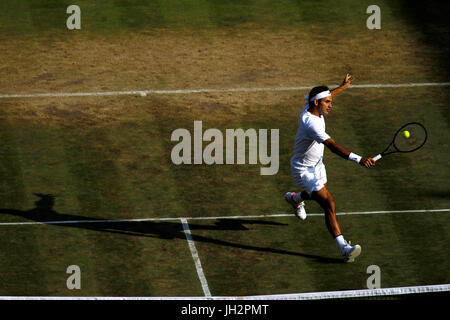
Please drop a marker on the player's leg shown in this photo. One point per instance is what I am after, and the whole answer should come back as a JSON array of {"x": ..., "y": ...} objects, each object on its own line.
[
  {"x": 309, "y": 179},
  {"x": 298, "y": 205},
  {"x": 296, "y": 199},
  {"x": 324, "y": 198},
  {"x": 301, "y": 196}
]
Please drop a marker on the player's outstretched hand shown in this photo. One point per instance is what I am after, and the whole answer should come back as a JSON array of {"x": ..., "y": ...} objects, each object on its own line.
[
  {"x": 367, "y": 162},
  {"x": 348, "y": 80}
]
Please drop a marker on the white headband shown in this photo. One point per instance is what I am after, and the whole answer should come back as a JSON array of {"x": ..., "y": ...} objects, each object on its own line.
[{"x": 320, "y": 95}]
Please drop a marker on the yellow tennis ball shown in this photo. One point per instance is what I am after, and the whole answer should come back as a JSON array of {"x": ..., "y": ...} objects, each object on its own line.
[{"x": 406, "y": 134}]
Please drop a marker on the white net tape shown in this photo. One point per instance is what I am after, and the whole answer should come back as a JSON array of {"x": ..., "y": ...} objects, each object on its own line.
[{"x": 365, "y": 293}]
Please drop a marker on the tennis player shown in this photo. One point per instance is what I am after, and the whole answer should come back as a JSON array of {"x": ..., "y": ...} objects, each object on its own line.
[{"x": 307, "y": 166}]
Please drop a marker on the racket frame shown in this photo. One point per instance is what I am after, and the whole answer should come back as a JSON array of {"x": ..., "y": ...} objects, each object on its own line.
[{"x": 384, "y": 153}]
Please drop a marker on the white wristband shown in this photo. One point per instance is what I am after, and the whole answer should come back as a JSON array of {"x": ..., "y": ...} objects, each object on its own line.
[{"x": 354, "y": 157}]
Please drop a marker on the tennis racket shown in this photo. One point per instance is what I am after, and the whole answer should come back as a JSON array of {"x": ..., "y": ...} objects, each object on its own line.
[{"x": 417, "y": 138}]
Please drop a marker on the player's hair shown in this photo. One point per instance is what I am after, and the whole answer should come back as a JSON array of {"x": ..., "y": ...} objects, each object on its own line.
[{"x": 317, "y": 90}]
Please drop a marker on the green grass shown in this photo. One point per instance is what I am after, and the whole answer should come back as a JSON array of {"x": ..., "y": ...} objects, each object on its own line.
[
  {"x": 124, "y": 171},
  {"x": 114, "y": 163},
  {"x": 302, "y": 257},
  {"x": 25, "y": 16},
  {"x": 111, "y": 262}
]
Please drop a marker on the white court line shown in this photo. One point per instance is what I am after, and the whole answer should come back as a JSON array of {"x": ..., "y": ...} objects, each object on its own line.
[
  {"x": 196, "y": 258},
  {"x": 213, "y": 218},
  {"x": 223, "y": 90}
]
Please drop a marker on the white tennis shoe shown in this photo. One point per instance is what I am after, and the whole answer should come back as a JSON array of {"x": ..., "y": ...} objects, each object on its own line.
[
  {"x": 299, "y": 208},
  {"x": 351, "y": 252}
]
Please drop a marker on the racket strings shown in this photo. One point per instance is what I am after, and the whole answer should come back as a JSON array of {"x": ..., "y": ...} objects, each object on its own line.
[{"x": 407, "y": 143}]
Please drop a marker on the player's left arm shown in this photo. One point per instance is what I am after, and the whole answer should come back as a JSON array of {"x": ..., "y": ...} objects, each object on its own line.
[
  {"x": 344, "y": 153},
  {"x": 345, "y": 84}
]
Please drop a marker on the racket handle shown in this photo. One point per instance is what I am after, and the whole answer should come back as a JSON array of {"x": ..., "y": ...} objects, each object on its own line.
[{"x": 377, "y": 157}]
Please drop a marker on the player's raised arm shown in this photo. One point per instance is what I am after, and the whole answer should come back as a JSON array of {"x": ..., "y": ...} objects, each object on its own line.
[{"x": 345, "y": 84}]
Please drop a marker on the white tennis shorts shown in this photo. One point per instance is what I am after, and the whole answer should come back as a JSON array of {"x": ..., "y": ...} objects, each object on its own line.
[{"x": 310, "y": 179}]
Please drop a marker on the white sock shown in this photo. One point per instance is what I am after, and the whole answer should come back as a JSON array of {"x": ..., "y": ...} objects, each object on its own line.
[
  {"x": 297, "y": 197},
  {"x": 340, "y": 241}
]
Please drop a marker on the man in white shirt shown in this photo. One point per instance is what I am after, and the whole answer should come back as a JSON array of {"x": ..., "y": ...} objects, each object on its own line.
[{"x": 308, "y": 169}]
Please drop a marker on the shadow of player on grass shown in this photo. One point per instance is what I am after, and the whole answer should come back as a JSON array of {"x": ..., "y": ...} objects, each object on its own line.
[{"x": 44, "y": 213}]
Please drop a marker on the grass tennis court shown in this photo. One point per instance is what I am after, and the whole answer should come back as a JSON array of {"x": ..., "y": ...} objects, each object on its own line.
[{"x": 110, "y": 157}]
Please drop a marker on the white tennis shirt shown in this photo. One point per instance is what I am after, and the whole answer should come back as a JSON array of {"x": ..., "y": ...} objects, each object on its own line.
[{"x": 309, "y": 147}]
